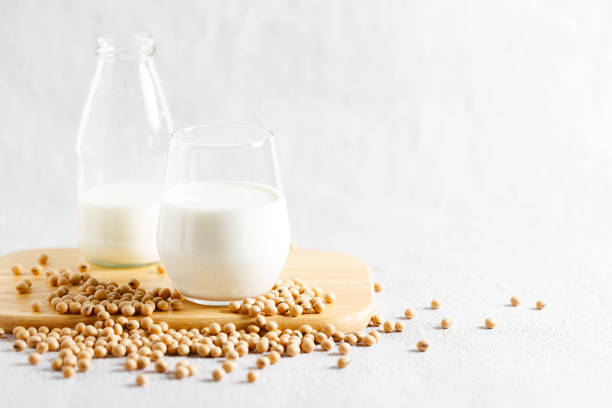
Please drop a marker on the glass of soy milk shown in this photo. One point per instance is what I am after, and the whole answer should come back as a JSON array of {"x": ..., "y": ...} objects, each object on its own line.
[{"x": 223, "y": 227}]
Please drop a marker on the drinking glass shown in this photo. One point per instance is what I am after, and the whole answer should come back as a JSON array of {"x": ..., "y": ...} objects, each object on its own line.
[{"x": 223, "y": 229}]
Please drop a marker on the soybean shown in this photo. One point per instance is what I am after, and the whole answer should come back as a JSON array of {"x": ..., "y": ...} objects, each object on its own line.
[
  {"x": 228, "y": 366},
  {"x": 141, "y": 380},
  {"x": 34, "y": 358},
  {"x": 252, "y": 376},
  {"x": 343, "y": 361},
  {"x": 218, "y": 374},
  {"x": 423, "y": 345},
  {"x": 490, "y": 323}
]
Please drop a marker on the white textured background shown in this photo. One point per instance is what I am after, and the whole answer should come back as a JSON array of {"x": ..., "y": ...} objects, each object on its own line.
[{"x": 462, "y": 148}]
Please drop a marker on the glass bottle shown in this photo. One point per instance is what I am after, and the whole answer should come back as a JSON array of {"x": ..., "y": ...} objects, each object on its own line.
[{"x": 122, "y": 146}]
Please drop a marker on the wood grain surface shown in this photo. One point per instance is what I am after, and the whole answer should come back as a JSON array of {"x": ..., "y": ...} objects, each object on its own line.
[{"x": 345, "y": 275}]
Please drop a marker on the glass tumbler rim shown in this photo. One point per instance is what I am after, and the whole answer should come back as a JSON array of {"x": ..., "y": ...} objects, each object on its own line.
[{"x": 252, "y": 136}]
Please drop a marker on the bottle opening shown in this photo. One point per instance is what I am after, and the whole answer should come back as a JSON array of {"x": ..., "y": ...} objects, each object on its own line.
[{"x": 115, "y": 46}]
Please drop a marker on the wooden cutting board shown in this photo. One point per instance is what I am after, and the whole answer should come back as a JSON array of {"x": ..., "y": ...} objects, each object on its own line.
[{"x": 345, "y": 275}]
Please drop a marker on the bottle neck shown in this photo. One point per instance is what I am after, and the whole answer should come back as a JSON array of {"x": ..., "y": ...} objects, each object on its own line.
[
  {"x": 132, "y": 76},
  {"x": 134, "y": 48}
]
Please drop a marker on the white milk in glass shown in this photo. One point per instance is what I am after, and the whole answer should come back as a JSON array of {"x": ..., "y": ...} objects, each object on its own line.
[
  {"x": 223, "y": 240},
  {"x": 118, "y": 223}
]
